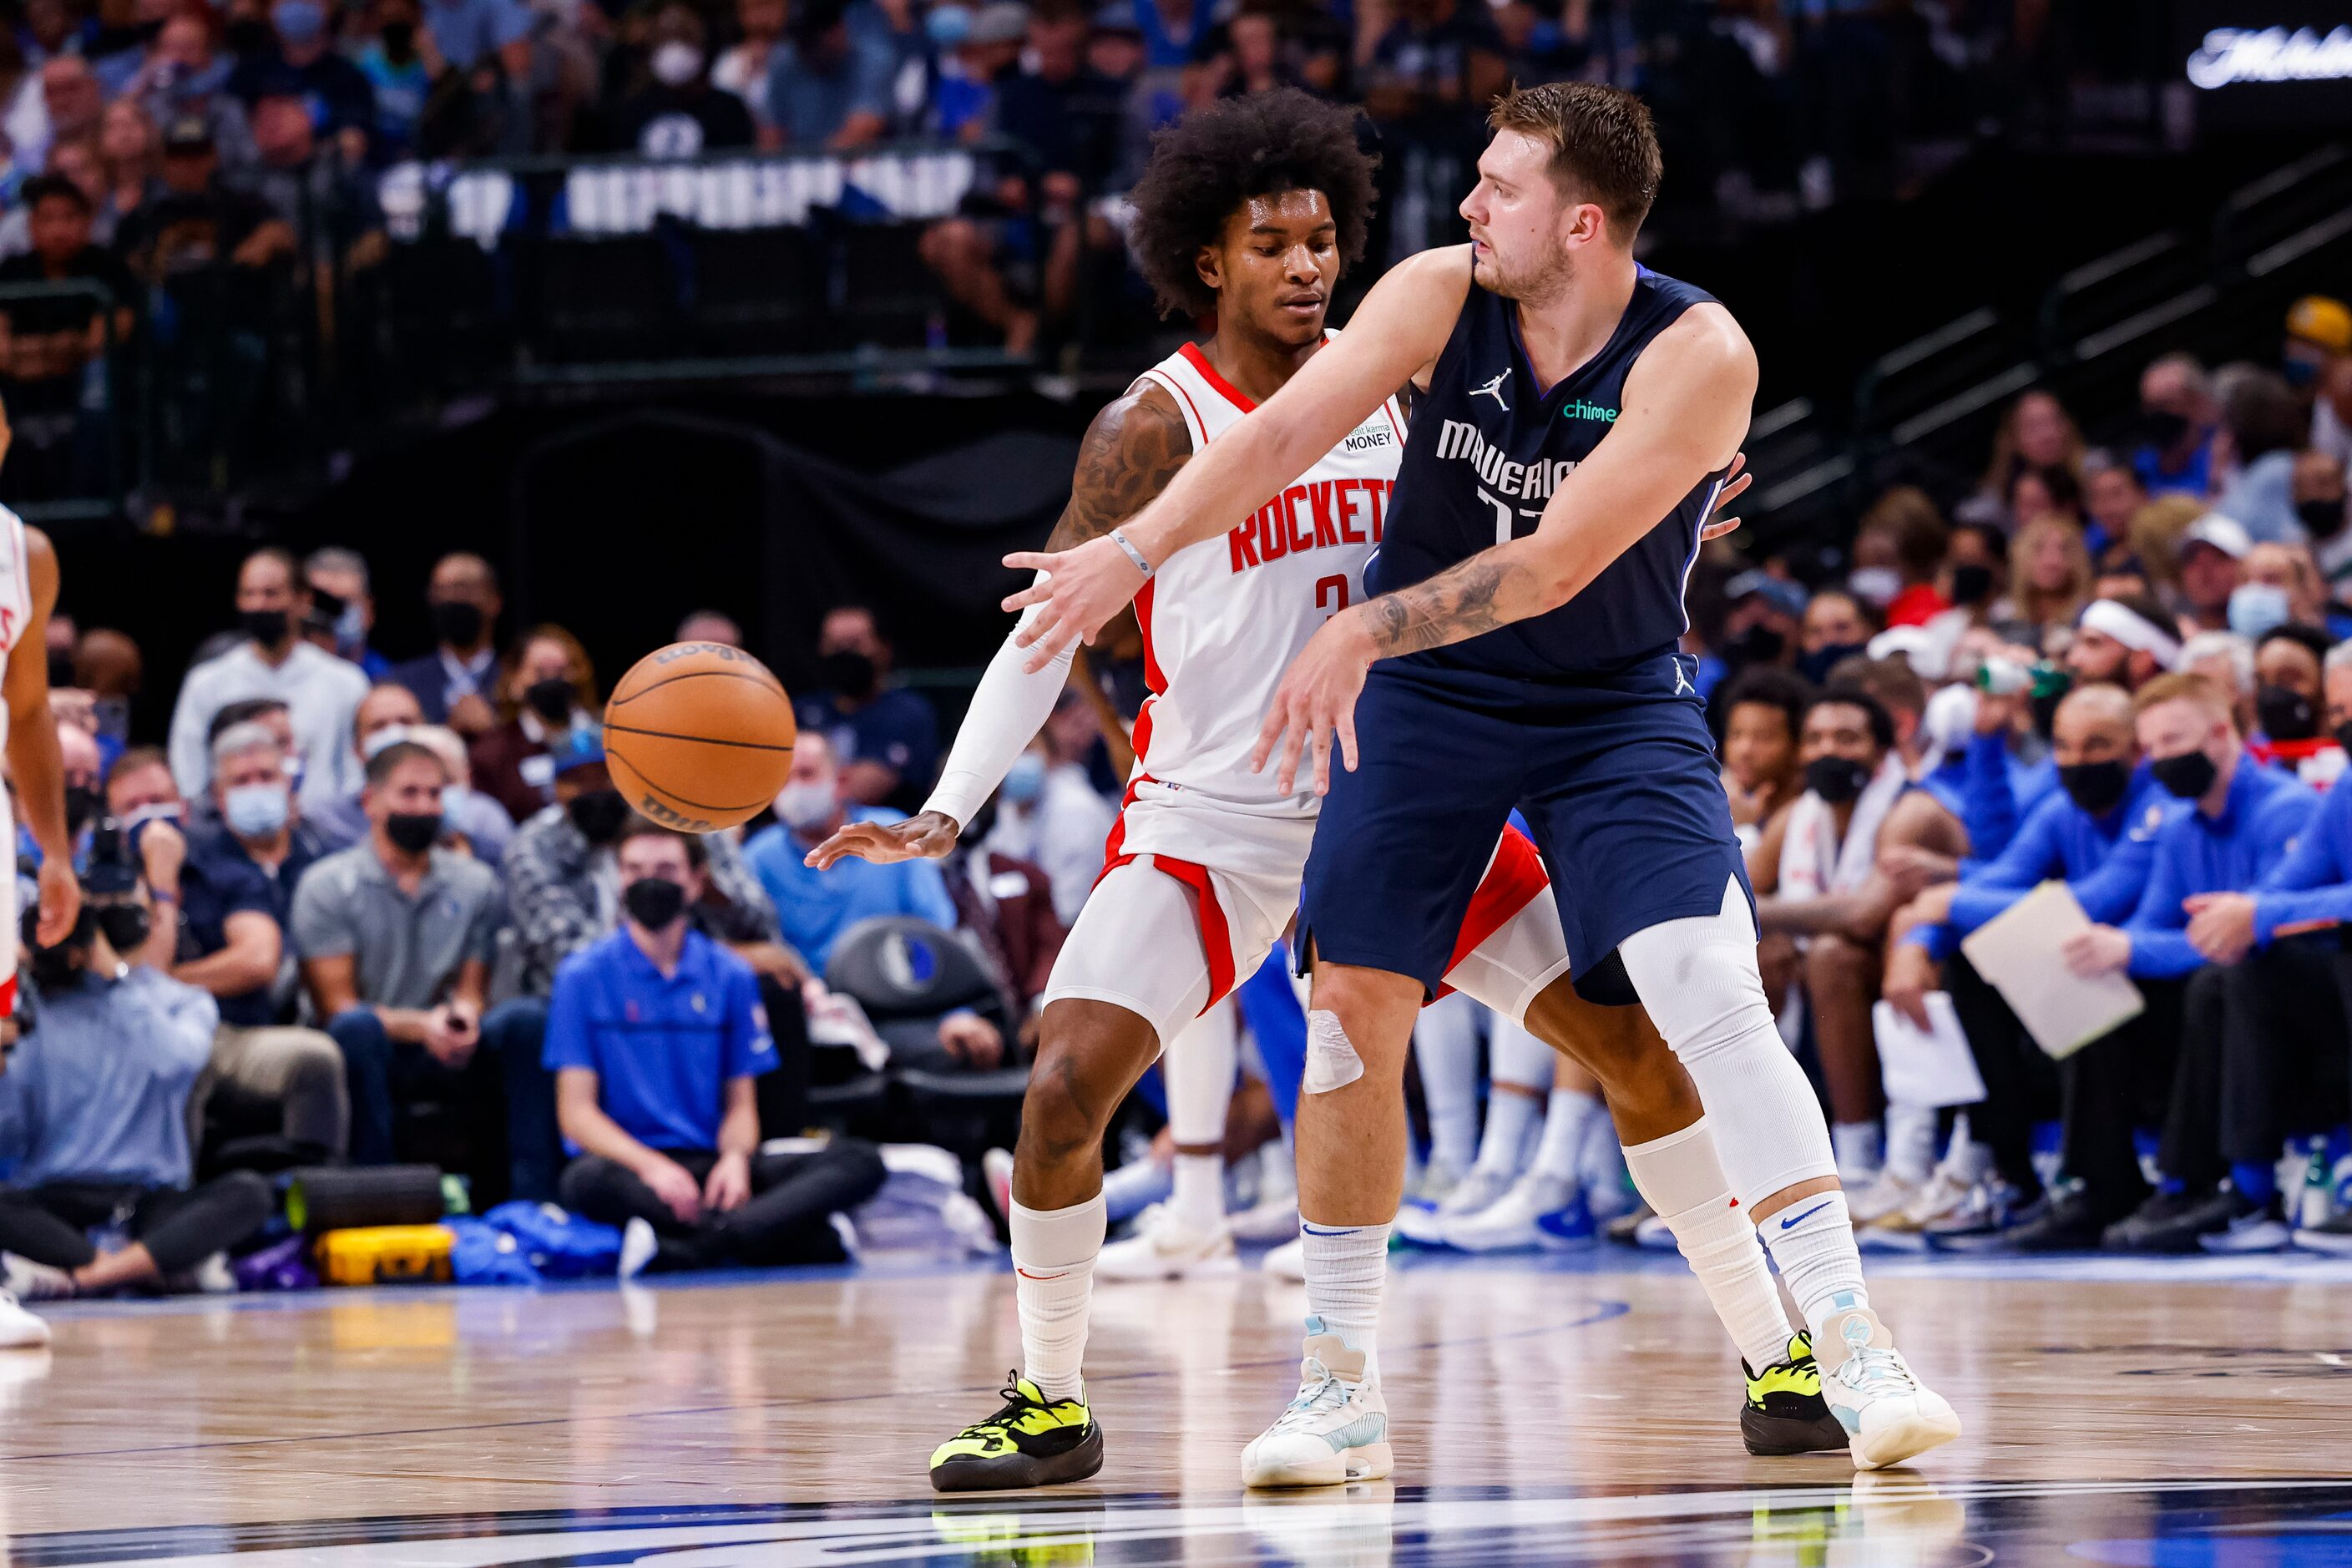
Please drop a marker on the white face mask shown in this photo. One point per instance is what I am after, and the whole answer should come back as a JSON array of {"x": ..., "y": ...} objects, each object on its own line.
[
  {"x": 1876, "y": 584},
  {"x": 676, "y": 63},
  {"x": 805, "y": 806}
]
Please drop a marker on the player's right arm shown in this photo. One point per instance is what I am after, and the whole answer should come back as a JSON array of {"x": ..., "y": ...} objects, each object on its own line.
[
  {"x": 1394, "y": 336},
  {"x": 34, "y": 759},
  {"x": 1132, "y": 451}
]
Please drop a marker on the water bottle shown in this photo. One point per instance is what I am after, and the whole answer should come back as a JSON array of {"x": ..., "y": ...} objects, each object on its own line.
[{"x": 2312, "y": 1212}]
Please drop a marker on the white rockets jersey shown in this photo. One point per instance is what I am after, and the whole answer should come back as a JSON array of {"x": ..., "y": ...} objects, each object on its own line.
[
  {"x": 16, "y": 612},
  {"x": 1221, "y": 619}
]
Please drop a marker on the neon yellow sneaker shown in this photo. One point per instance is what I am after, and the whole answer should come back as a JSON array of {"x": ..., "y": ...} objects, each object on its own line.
[
  {"x": 1032, "y": 1442},
  {"x": 1785, "y": 1413}
]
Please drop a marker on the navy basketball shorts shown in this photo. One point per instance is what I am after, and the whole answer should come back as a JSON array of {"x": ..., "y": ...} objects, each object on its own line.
[{"x": 1617, "y": 778}]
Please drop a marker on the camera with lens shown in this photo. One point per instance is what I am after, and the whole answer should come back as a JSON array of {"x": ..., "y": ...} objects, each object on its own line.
[{"x": 110, "y": 903}]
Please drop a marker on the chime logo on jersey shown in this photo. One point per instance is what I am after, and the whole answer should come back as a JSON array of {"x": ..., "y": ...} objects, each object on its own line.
[{"x": 1579, "y": 409}]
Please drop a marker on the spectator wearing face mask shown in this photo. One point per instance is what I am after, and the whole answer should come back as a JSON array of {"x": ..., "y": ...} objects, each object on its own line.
[
  {"x": 321, "y": 692},
  {"x": 547, "y": 691},
  {"x": 2103, "y": 795},
  {"x": 84, "y": 769},
  {"x": 2291, "y": 706},
  {"x": 1836, "y": 627},
  {"x": 1050, "y": 812},
  {"x": 475, "y": 822},
  {"x": 676, "y": 112},
  {"x": 234, "y": 891},
  {"x": 453, "y": 682},
  {"x": 395, "y": 937},
  {"x": 885, "y": 739},
  {"x": 1763, "y": 624},
  {"x": 2240, "y": 822},
  {"x": 2177, "y": 418},
  {"x": 387, "y": 713},
  {"x": 2283, "y": 581},
  {"x": 657, "y": 1037},
  {"x": 2319, "y": 505},
  {"x": 93, "y": 1112},
  {"x": 1897, "y": 551},
  {"x": 342, "y": 611}
]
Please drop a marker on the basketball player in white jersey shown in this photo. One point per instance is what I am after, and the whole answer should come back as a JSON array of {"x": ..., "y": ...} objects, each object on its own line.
[
  {"x": 28, "y": 592},
  {"x": 1248, "y": 211},
  {"x": 1521, "y": 656}
]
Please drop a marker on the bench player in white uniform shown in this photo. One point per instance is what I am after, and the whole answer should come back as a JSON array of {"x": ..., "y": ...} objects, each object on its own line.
[
  {"x": 1202, "y": 868},
  {"x": 28, "y": 592}
]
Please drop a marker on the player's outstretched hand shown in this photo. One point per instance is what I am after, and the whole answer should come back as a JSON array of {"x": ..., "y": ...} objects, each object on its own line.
[
  {"x": 1083, "y": 588},
  {"x": 926, "y": 836},
  {"x": 1316, "y": 699},
  {"x": 1735, "y": 482}
]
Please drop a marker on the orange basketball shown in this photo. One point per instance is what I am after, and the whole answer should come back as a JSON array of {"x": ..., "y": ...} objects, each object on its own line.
[{"x": 700, "y": 736}]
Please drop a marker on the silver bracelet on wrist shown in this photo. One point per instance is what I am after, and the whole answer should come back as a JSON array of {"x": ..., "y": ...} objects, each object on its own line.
[{"x": 1120, "y": 539}]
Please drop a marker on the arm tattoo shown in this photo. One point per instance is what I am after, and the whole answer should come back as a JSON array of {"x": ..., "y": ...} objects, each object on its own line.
[
  {"x": 1132, "y": 449},
  {"x": 1456, "y": 604}
]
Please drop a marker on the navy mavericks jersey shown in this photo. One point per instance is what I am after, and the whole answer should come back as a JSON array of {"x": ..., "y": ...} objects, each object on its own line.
[{"x": 1486, "y": 448}]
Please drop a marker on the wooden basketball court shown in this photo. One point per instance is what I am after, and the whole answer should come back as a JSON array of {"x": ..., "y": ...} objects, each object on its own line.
[{"x": 2197, "y": 1411}]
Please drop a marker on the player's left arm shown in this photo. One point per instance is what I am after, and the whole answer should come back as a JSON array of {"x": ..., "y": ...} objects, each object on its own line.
[
  {"x": 34, "y": 760},
  {"x": 1684, "y": 410}
]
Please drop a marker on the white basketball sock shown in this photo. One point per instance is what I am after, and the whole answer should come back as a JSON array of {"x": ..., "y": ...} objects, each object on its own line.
[
  {"x": 1445, "y": 1051},
  {"x": 1812, "y": 1240},
  {"x": 1517, "y": 1058},
  {"x": 1346, "y": 1268},
  {"x": 1198, "y": 1070},
  {"x": 1680, "y": 1176},
  {"x": 1910, "y": 1141},
  {"x": 1861, "y": 1149},
  {"x": 1510, "y": 1115},
  {"x": 1054, "y": 1253}
]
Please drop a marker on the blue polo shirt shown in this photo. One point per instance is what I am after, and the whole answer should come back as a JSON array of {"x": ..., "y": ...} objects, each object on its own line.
[
  {"x": 815, "y": 907},
  {"x": 217, "y": 881},
  {"x": 2265, "y": 812},
  {"x": 897, "y": 728},
  {"x": 2315, "y": 881},
  {"x": 662, "y": 1048}
]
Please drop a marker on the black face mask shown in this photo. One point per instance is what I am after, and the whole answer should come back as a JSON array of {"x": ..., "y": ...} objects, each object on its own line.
[
  {"x": 61, "y": 668},
  {"x": 412, "y": 832},
  {"x": 1836, "y": 780},
  {"x": 267, "y": 627},
  {"x": 247, "y": 38},
  {"x": 2321, "y": 519},
  {"x": 2285, "y": 715},
  {"x": 455, "y": 622},
  {"x": 550, "y": 699},
  {"x": 849, "y": 674},
  {"x": 2188, "y": 775},
  {"x": 2342, "y": 734},
  {"x": 2163, "y": 427},
  {"x": 82, "y": 805},
  {"x": 399, "y": 41},
  {"x": 1816, "y": 665},
  {"x": 654, "y": 901},
  {"x": 599, "y": 815},
  {"x": 126, "y": 927},
  {"x": 2097, "y": 787},
  {"x": 1760, "y": 644},
  {"x": 1971, "y": 584}
]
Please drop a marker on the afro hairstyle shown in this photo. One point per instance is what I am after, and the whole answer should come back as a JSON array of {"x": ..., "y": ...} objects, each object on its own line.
[{"x": 1208, "y": 164}]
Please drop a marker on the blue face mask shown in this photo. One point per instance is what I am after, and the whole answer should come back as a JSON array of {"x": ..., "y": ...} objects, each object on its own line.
[
  {"x": 2256, "y": 609},
  {"x": 1025, "y": 780},
  {"x": 300, "y": 21},
  {"x": 256, "y": 811}
]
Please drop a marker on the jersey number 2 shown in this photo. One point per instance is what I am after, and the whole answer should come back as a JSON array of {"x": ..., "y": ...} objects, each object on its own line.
[{"x": 1331, "y": 588}]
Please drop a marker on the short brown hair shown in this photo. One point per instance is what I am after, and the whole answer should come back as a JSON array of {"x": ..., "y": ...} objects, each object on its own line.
[
  {"x": 2184, "y": 688},
  {"x": 1603, "y": 148}
]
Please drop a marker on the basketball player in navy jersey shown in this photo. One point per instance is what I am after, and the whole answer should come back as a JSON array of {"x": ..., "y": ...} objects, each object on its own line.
[{"x": 1579, "y": 412}]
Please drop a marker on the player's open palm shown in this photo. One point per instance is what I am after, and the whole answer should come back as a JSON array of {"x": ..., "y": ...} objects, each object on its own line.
[
  {"x": 1315, "y": 701},
  {"x": 926, "y": 836}
]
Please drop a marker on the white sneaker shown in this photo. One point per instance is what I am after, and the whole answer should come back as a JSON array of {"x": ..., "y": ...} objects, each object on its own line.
[
  {"x": 1165, "y": 1247},
  {"x": 1481, "y": 1188},
  {"x": 1288, "y": 1261},
  {"x": 1517, "y": 1222},
  {"x": 27, "y": 1281},
  {"x": 1434, "y": 1183},
  {"x": 996, "y": 1173},
  {"x": 1942, "y": 1195},
  {"x": 1269, "y": 1219},
  {"x": 1887, "y": 1194},
  {"x": 212, "y": 1276},
  {"x": 19, "y": 1330},
  {"x": 1334, "y": 1432},
  {"x": 638, "y": 1245},
  {"x": 1889, "y": 1414},
  {"x": 1656, "y": 1234}
]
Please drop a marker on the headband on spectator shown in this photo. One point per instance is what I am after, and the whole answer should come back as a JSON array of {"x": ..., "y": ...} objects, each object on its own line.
[{"x": 2132, "y": 629}]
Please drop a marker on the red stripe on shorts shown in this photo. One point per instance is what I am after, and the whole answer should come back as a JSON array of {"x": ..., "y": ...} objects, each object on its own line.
[{"x": 1516, "y": 879}]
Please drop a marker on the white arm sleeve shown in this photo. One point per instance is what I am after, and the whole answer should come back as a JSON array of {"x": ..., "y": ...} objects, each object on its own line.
[{"x": 1007, "y": 712}]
